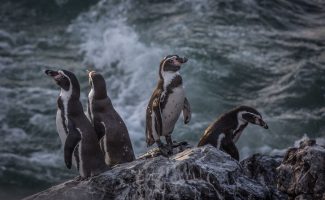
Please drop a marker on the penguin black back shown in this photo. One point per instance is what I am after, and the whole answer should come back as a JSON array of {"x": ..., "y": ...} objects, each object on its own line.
[
  {"x": 226, "y": 130},
  {"x": 110, "y": 128}
]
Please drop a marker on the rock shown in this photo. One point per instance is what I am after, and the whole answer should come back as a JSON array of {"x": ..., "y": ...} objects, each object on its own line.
[
  {"x": 205, "y": 173},
  {"x": 197, "y": 173},
  {"x": 154, "y": 152},
  {"x": 302, "y": 172},
  {"x": 262, "y": 168}
]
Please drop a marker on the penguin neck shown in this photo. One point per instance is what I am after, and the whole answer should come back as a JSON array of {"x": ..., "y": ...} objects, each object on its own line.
[
  {"x": 70, "y": 104},
  {"x": 240, "y": 126},
  {"x": 98, "y": 94},
  {"x": 168, "y": 77},
  {"x": 65, "y": 94},
  {"x": 68, "y": 95}
]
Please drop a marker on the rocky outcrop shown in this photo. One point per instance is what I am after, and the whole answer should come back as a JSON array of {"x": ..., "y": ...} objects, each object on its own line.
[
  {"x": 197, "y": 173},
  {"x": 302, "y": 172},
  {"x": 205, "y": 173},
  {"x": 262, "y": 168}
]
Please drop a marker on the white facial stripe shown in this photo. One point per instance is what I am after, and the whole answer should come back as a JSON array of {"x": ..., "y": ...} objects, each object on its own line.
[
  {"x": 65, "y": 96},
  {"x": 165, "y": 60},
  {"x": 220, "y": 138},
  {"x": 241, "y": 121},
  {"x": 168, "y": 76},
  {"x": 170, "y": 58},
  {"x": 241, "y": 113}
]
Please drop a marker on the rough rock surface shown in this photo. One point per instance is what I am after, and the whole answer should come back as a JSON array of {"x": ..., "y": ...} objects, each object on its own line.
[
  {"x": 262, "y": 168},
  {"x": 197, "y": 173},
  {"x": 302, "y": 172},
  {"x": 205, "y": 173}
]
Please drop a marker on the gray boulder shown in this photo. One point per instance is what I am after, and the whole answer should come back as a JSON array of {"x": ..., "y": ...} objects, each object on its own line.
[
  {"x": 262, "y": 168},
  {"x": 197, "y": 173},
  {"x": 205, "y": 173},
  {"x": 302, "y": 172}
]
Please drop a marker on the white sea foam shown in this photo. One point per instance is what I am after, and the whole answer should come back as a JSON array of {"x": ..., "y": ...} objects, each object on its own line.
[{"x": 110, "y": 43}]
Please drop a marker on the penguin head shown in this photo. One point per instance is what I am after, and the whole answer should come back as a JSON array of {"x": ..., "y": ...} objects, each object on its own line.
[
  {"x": 66, "y": 80},
  {"x": 171, "y": 63},
  {"x": 98, "y": 85},
  {"x": 250, "y": 115}
]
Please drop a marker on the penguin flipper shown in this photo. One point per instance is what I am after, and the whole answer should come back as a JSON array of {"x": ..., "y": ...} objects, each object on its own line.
[
  {"x": 204, "y": 138},
  {"x": 187, "y": 113},
  {"x": 99, "y": 129},
  {"x": 154, "y": 127},
  {"x": 70, "y": 144},
  {"x": 157, "y": 115}
]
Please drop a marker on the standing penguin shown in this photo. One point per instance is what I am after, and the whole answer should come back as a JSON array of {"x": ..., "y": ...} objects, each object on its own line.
[
  {"x": 109, "y": 126},
  {"x": 226, "y": 130},
  {"x": 166, "y": 103},
  {"x": 74, "y": 128}
]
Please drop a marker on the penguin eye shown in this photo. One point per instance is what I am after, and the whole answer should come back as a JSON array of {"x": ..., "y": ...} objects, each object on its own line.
[{"x": 170, "y": 61}]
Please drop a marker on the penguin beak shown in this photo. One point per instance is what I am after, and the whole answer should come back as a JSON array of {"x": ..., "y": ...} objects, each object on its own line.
[
  {"x": 91, "y": 73},
  {"x": 182, "y": 60},
  {"x": 263, "y": 124},
  {"x": 54, "y": 74},
  {"x": 51, "y": 73}
]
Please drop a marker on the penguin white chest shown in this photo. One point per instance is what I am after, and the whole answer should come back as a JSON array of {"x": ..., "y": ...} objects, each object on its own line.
[
  {"x": 172, "y": 109},
  {"x": 60, "y": 127}
]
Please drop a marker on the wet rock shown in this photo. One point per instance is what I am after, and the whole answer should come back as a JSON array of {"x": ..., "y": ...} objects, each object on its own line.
[
  {"x": 197, "y": 173},
  {"x": 262, "y": 168},
  {"x": 302, "y": 172}
]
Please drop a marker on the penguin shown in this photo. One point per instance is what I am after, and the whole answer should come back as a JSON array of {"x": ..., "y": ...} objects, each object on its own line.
[
  {"x": 167, "y": 102},
  {"x": 74, "y": 128},
  {"x": 226, "y": 130},
  {"x": 112, "y": 132}
]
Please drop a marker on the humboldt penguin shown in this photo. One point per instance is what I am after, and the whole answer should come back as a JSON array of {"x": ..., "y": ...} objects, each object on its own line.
[
  {"x": 166, "y": 103},
  {"x": 74, "y": 128},
  {"x": 226, "y": 130},
  {"x": 112, "y": 133}
]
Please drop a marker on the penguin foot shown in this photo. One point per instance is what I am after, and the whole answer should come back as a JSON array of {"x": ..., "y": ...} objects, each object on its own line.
[
  {"x": 77, "y": 178},
  {"x": 177, "y": 144},
  {"x": 166, "y": 151},
  {"x": 80, "y": 178},
  {"x": 170, "y": 149}
]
